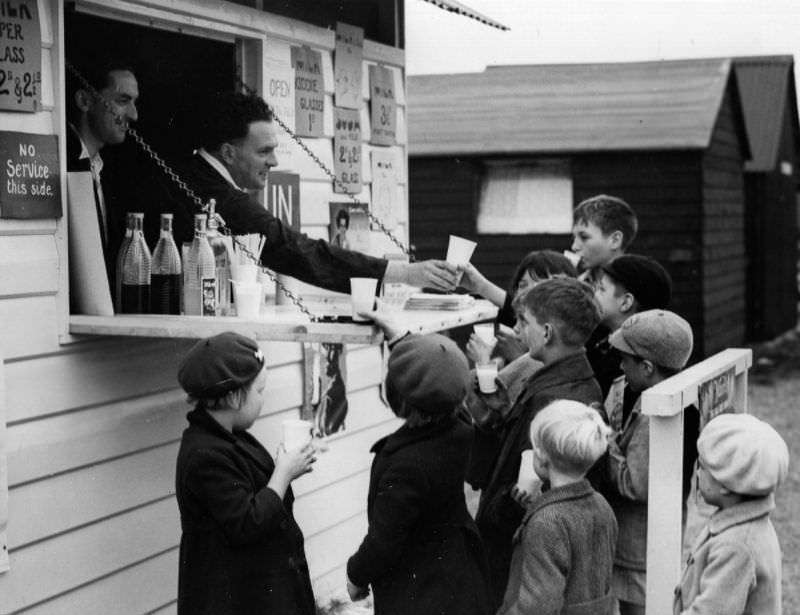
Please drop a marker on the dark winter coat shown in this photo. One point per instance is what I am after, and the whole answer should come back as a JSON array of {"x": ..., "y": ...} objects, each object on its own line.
[
  {"x": 422, "y": 554},
  {"x": 241, "y": 550},
  {"x": 498, "y": 514}
]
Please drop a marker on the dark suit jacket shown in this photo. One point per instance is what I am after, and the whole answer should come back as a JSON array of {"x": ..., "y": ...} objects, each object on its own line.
[
  {"x": 241, "y": 549},
  {"x": 422, "y": 553},
  {"x": 498, "y": 514},
  {"x": 286, "y": 251}
]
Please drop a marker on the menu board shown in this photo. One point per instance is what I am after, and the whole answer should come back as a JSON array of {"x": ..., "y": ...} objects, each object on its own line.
[
  {"x": 20, "y": 56},
  {"x": 30, "y": 186}
]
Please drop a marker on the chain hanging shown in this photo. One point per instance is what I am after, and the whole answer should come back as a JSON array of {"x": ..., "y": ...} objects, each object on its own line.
[{"x": 204, "y": 207}]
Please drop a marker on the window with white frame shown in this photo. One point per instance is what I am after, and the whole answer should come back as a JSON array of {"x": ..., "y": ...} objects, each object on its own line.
[{"x": 526, "y": 197}]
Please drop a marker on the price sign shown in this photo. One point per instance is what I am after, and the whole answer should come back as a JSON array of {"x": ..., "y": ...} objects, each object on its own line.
[
  {"x": 383, "y": 107},
  {"x": 30, "y": 185},
  {"x": 309, "y": 88},
  {"x": 348, "y": 53},
  {"x": 347, "y": 149},
  {"x": 20, "y": 56}
]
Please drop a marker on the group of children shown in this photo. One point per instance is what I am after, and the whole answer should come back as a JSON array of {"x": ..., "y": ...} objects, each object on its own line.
[{"x": 581, "y": 353}]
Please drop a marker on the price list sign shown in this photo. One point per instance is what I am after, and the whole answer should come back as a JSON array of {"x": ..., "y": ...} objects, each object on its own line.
[
  {"x": 20, "y": 55},
  {"x": 309, "y": 89},
  {"x": 383, "y": 107},
  {"x": 347, "y": 149},
  {"x": 30, "y": 185}
]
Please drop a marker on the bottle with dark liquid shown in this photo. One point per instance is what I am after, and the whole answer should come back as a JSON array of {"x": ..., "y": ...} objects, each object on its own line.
[
  {"x": 199, "y": 274},
  {"x": 136, "y": 271},
  {"x": 165, "y": 277},
  {"x": 126, "y": 241}
]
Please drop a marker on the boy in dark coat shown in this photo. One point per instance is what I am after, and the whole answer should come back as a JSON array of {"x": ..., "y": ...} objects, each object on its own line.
[
  {"x": 554, "y": 318},
  {"x": 422, "y": 554},
  {"x": 564, "y": 549},
  {"x": 241, "y": 550}
]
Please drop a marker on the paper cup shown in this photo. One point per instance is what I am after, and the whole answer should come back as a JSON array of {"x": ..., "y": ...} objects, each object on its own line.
[
  {"x": 573, "y": 258},
  {"x": 459, "y": 250},
  {"x": 486, "y": 377},
  {"x": 362, "y": 294},
  {"x": 527, "y": 480},
  {"x": 248, "y": 297},
  {"x": 296, "y": 434},
  {"x": 486, "y": 333},
  {"x": 244, "y": 272}
]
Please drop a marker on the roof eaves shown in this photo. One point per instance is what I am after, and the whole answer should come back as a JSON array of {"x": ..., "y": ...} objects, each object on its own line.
[{"x": 461, "y": 9}]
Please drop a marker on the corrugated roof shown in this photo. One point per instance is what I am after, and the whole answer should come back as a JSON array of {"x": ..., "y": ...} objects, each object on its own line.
[
  {"x": 766, "y": 86},
  {"x": 462, "y": 9},
  {"x": 567, "y": 108}
]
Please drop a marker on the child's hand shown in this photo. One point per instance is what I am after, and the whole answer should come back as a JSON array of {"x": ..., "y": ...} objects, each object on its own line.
[
  {"x": 509, "y": 346},
  {"x": 523, "y": 498},
  {"x": 356, "y": 592},
  {"x": 478, "y": 351},
  {"x": 472, "y": 279},
  {"x": 295, "y": 463}
]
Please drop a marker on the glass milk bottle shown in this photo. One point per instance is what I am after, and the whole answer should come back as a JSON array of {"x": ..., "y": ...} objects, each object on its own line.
[
  {"x": 165, "y": 278},
  {"x": 199, "y": 274},
  {"x": 222, "y": 259},
  {"x": 136, "y": 271},
  {"x": 126, "y": 241}
]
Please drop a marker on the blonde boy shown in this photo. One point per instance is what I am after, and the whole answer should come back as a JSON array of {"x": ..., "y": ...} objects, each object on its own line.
[
  {"x": 735, "y": 564},
  {"x": 564, "y": 548}
]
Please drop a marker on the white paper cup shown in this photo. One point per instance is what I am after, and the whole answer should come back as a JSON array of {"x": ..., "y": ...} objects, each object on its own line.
[
  {"x": 362, "y": 294},
  {"x": 527, "y": 480},
  {"x": 248, "y": 297},
  {"x": 486, "y": 377},
  {"x": 296, "y": 434},
  {"x": 459, "y": 250},
  {"x": 486, "y": 333},
  {"x": 573, "y": 258},
  {"x": 244, "y": 272}
]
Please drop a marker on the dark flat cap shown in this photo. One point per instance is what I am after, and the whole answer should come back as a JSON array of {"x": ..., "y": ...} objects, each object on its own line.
[
  {"x": 644, "y": 278},
  {"x": 219, "y": 364},
  {"x": 429, "y": 372}
]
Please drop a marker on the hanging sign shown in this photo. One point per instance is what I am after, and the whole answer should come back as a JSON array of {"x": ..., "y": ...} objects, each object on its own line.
[
  {"x": 20, "y": 55},
  {"x": 347, "y": 149},
  {"x": 715, "y": 396},
  {"x": 383, "y": 107},
  {"x": 348, "y": 54},
  {"x": 283, "y": 198},
  {"x": 31, "y": 185},
  {"x": 309, "y": 88},
  {"x": 385, "y": 203},
  {"x": 280, "y": 95}
]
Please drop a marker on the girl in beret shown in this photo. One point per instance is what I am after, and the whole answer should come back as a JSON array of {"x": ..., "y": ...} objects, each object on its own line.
[
  {"x": 422, "y": 554},
  {"x": 241, "y": 550}
]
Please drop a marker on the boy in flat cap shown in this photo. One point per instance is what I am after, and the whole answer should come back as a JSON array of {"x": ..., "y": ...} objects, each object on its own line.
[
  {"x": 654, "y": 345},
  {"x": 241, "y": 549},
  {"x": 735, "y": 564},
  {"x": 422, "y": 554}
]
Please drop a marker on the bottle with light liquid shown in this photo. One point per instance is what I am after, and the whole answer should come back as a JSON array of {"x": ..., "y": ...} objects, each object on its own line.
[
  {"x": 199, "y": 274},
  {"x": 165, "y": 277},
  {"x": 222, "y": 260}
]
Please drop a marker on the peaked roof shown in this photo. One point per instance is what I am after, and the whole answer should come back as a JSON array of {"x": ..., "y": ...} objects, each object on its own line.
[
  {"x": 567, "y": 108},
  {"x": 767, "y": 92}
]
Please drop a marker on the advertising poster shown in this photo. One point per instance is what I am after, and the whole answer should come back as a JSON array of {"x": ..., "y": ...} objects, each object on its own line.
[
  {"x": 715, "y": 396},
  {"x": 385, "y": 202},
  {"x": 383, "y": 108},
  {"x": 347, "y": 150},
  {"x": 348, "y": 54},
  {"x": 325, "y": 392},
  {"x": 309, "y": 88},
  {"x": 20, "y": 56},
  {"x": 349, "y": 227}
]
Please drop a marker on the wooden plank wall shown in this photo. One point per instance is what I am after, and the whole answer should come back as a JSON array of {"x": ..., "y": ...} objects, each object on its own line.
[
  {"x": 724, "y": 260},
  {"x": 94, "y": 426}
]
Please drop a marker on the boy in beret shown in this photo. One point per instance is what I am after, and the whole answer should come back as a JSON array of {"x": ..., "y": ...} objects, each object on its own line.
[
  {"x": 654, "y": 345},
  {"x": 735, "y": 564},
  {"x": 422, "y": 553},
  {"x": 569, "y": 519},
  {"x": 554, "y": 318},
  {"x": 241, "y": 550}
]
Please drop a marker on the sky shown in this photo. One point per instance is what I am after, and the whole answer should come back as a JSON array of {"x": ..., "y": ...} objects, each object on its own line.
[{"x": 570, "y": 31}]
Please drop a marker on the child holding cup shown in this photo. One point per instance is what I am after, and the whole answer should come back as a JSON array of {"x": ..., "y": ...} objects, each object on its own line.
[{"x": 241, "y": 550}]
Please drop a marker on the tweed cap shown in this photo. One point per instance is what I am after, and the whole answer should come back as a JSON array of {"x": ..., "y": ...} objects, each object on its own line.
[
  {"x": 644, "y": 278},
  {"x": 743, "y": 453},
  {"x": 429, "y": 372},
  {"x": 217, "y": 365},
  {"x": 659, "y": 336}
]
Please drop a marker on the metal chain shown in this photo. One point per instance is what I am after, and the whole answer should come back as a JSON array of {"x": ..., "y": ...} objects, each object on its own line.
[{"x": 204, "y": 207}]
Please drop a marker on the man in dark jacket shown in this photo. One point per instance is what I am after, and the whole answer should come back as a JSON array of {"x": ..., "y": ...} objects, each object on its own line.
[{"x": 554, "y": 318}]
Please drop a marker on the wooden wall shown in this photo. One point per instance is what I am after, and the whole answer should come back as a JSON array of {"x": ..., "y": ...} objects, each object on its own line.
[
  {"x": 93, "y": 424},
  {"x": 723, "y": 240}
]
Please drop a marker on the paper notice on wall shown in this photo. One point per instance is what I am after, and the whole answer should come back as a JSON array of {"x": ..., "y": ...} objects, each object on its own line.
[
  {"x": 348, "y": 54},
  {"x": 349, "y": 226},
  {"x": 279, "y": 94},
  {"x": 385, "y": 204},
  {"x": 715, "y": 396},
  {"x": 88, "y": 280},
  {"x": 20, "y": 56},
  {"x": 383, "y": 108},
  {"x": 347, "y": 150},
  {"x": 325, "y": 391},
  {"x": 309, "y": 88}
]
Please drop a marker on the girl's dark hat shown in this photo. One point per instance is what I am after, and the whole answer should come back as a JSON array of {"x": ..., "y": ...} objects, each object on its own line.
[{"x": 219, "y": 364}]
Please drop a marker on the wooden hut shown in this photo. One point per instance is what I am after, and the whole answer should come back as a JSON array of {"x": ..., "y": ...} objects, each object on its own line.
[{"x": 504, "y": 155}]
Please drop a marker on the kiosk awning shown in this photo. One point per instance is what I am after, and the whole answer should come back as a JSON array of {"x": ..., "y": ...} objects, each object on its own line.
[{"x": 461, "y": 9}]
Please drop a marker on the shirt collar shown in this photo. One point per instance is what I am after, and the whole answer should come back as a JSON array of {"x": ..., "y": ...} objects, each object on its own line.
[
  {"x": 218, "y": 167},
  {"x": 96, "y": 161}
]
